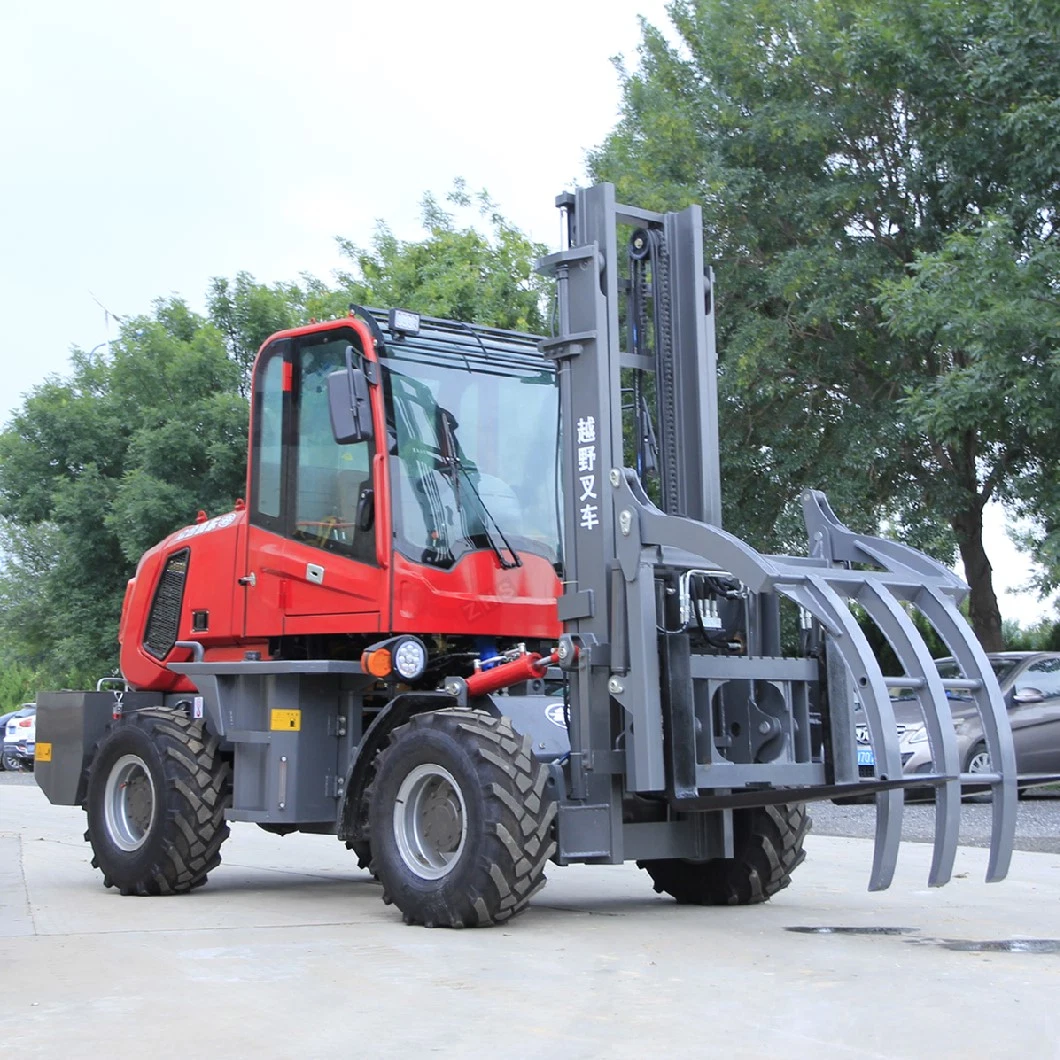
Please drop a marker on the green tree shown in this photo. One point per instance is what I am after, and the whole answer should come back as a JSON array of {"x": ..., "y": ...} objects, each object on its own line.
[
  {"x": 1043, "y": 635},
  {"x": 454, "y": 273},
  {"x": 247, "y": 313},
  {"x": 835, "y": 147},
  {"x": 985, "y": 308},
  {"x": 18, "y": 685},
  {"x": 96, "y": 468}
]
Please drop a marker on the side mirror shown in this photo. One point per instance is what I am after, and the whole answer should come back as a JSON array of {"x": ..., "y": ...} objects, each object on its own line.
[
  {"x": 1028, "y": 695},
  {"x": 349, "y": 405}
]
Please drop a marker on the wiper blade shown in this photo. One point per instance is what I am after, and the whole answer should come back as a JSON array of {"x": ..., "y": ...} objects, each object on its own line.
[
  {"x": 506, "y": 564},
  {"x": 451, "y": 456}
]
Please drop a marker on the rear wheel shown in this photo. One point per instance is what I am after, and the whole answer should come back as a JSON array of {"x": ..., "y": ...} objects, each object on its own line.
[
  {"x": 11, "y": 761},
  {"x": 768, "y": 847},
  {"x": 461, "y": 820},
  {"x": 157, "y": 795},
  {"x": 362, "y": 850},
  {"x": 979, "y": 760}
]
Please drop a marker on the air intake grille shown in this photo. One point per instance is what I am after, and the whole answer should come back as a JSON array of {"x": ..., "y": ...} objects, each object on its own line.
[{"x": 164, "y": 618}]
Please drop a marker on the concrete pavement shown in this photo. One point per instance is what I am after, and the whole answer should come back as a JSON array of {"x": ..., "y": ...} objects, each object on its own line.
[{"x": 288, "y": 951}]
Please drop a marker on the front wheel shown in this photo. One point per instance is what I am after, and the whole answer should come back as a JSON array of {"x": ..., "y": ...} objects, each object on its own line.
[
  {"x": 157, "y": 794},
  {"x": 767, "y": 848},
  {"x": 461, "y": 819}
]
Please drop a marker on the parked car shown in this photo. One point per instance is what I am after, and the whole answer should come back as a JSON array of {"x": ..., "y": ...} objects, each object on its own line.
[
  {"x": 1030, "y": 685},
  {"x": 4, "y": 719},
  {"x": 20, "y": 738}
]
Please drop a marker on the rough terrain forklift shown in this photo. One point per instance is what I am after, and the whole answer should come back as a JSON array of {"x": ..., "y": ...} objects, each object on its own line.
[{"x": 478, "y": 613}]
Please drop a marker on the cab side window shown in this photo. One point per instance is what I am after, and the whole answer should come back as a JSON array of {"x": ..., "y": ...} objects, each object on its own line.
[
  {"x": 332, "y": 483},
  {"x": 266, "y": 500}
]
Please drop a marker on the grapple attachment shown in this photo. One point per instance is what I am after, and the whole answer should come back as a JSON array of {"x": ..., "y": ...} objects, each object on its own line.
[
  {"x": 688, "y": 688},
  {"x": 888, "y": 581}
]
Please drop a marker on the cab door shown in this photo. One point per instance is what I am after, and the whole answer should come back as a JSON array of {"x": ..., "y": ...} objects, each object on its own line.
[{"x": 313, "y": 558}]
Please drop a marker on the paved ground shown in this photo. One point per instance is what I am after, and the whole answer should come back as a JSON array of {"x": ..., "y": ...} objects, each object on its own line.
[
  {"x": 1037, "y": 822},
  {"x": 288, "y": 951}
]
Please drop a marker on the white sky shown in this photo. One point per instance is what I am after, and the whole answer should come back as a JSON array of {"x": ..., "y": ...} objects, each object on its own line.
[{"x": 148, "y": 146}]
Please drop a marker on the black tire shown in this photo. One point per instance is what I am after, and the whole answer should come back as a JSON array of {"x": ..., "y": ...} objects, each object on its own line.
[
  {"x": 767, "y": 847},
  {"x": 157, "y": 794},
  {"x": 11, "y": 761},
  {"x": 363, "y": 851},
  {"x": 461, "y": 820}
]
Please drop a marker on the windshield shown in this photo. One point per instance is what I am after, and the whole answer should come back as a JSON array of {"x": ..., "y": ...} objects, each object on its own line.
[
  {"x": 1001, "y": 666},
  {"x": 473, "y": 455},
  {"x": 949, "y": 670}
]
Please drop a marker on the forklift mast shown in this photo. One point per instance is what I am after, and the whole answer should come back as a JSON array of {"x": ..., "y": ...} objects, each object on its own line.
[{"x": 673, "y": 639}]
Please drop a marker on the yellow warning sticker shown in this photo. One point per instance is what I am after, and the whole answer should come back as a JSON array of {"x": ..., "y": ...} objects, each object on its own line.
[
  {"x": 43, "y": 752},
  {"x": 286, "y": 721}
]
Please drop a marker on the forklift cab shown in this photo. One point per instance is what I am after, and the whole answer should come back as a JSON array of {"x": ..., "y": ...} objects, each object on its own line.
[{"x": 420, "y": 447}]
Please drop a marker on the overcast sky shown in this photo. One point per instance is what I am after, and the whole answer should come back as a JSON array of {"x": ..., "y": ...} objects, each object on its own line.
[{"x": 147, "y": 147}]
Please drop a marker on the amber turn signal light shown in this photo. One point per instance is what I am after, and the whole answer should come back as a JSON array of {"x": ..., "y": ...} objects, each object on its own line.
[{"x": 378, "y": 663}]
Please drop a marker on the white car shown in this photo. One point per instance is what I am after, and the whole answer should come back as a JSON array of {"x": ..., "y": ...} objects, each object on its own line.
[{"x": 20, "y": 738}]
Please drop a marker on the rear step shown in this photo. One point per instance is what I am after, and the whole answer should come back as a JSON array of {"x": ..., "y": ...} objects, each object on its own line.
[{"x": 824, "y": 584}]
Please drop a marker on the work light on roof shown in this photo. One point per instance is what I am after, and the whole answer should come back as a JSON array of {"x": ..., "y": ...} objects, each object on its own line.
[{"x": 402, "y": 322}]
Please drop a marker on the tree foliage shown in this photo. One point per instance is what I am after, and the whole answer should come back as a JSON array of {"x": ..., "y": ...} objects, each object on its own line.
[
  {"x": 247, "y": 313},
  {"x": 96, "y": 467},
  {"x": 454, "y": 273},
  {"x": 18, "y": 685},
  {"x": 846, "y": 154}
]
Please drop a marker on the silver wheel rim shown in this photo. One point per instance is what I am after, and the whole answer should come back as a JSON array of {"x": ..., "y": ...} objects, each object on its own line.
[
  {"x": 129, "y": 802},
  {"x": 430, "y": 821},
  {"x": 979, "y": 762}
]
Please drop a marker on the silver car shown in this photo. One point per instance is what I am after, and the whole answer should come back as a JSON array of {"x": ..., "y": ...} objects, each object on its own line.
[{"x": 1030, "y": 685}]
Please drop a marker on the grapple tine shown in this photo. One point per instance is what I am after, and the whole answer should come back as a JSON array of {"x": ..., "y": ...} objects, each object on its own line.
[
  {"x": 941, "y": 611},
  {"x": 916, "y": 660},
  {"x": 822, "y": 601},
  {"x": 889, "y": 807}
]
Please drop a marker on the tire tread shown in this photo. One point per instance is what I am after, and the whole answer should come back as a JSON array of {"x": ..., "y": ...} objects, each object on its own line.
[
  {"x": 517, "y": 839},
  {"x": 196, "y": 793},
  {"x": 768, "y": 849}
]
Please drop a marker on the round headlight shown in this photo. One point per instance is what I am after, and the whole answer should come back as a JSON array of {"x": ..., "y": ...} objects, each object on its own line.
[{"x": 410, "y": 659}]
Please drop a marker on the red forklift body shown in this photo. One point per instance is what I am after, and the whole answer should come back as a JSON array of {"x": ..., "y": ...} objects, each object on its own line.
[{"x": 442, "y": 521}]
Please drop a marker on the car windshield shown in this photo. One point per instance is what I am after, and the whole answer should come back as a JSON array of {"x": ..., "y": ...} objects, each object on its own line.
[
  {"x": 949, "y": 670},
  {"x": 1001, "y": 666},
  {"x": 473, "y": 457}
]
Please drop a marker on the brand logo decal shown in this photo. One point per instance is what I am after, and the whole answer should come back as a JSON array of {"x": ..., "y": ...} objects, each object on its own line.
[{"x": 555, "y": 714}]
